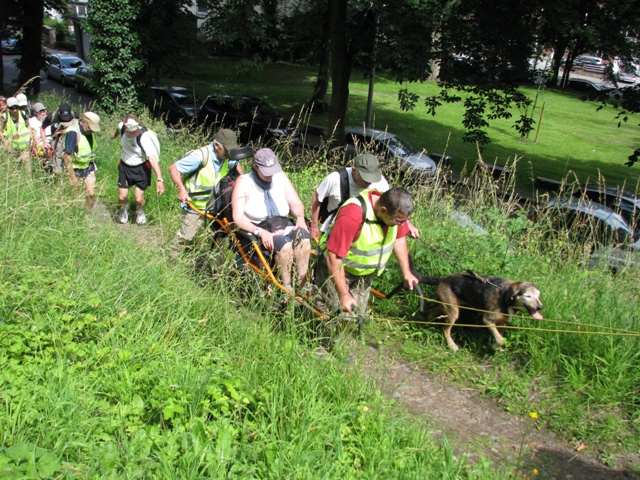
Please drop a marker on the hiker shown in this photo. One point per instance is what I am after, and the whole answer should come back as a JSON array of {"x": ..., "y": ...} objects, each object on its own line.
[
  {"x": 262, "y": 201},
  {"x": 3, "y": 113},
  {"x": 357, "y": 246},
  {"x": 196, "y": 174},
  {"x": 23, "y": 103},
  {"x": 16, "y": 134},
  {"x": 52, "y": 124},
  {"x": 140, "y": 155},
  {"x": 38, "y": 136},
  {"x": 80, "y": 142},
  {"x": 343, "y": 184}
]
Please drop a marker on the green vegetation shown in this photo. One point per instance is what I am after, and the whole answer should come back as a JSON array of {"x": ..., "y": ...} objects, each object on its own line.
[
  {"x": 573, "y": 136},
  {"x": 116, "y": 361}
]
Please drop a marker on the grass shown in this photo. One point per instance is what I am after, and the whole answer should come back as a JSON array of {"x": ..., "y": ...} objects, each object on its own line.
[
  {"x": 118, "y": 362},
  {"x": 573, "y": 136}
]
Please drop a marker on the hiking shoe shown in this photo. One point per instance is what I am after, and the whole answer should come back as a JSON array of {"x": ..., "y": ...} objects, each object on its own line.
[
  {"x": 123, "y": 216},
  {"x": 141, "y": 218}
]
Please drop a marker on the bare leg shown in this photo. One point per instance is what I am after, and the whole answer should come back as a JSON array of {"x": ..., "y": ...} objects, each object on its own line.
[
  {"x": 123, "y": 196},
  {"x": 284, "y": 262},
  {"x": 91, "y": 197},
  {"x": 302, "y": 254},
  {"x": 139, "y": 198}
]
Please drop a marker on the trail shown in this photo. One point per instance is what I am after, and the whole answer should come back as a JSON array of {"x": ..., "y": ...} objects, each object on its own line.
[{"x": 476, "y": 427}]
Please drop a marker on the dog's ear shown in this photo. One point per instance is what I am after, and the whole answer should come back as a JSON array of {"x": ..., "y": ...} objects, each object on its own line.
[{"x": 515, "y": 291}]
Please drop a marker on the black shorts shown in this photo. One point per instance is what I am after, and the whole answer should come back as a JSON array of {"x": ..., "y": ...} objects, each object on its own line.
[{"x": 139, "y": 176}]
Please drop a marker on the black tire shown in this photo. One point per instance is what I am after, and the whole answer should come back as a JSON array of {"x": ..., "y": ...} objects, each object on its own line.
[
  {"x": 46, "y": 74},
  {"x": 77, "y": 88},
  {"x": 63, "y": 80}
]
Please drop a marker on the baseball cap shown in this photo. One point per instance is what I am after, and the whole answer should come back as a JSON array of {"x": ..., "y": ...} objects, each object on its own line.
[
  {"x": 12, "y": 102},
  {"x": 131, "y": 125},
  {"x": 267, "y": 162},
  {"x": 92, "y": 120},
  {"x": 368, "y": 167},
  {"x": 64, "y": 111},
  {"x": 227, "y": 138},
  {"x": 22, "y": 100},
  {"x": 38, "y": 107}
]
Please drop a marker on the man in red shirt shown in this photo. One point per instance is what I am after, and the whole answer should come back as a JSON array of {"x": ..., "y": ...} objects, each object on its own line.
[{"x": 365, "y": 232}]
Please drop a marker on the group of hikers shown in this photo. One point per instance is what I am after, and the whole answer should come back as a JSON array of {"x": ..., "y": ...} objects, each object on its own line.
[{"x": 357, "y": 220}]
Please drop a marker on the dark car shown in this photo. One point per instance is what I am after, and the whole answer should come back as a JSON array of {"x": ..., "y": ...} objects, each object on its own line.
[
  {"x": 621, "y": 201},
  {"x": 586, "y": 220},
  {"x": 391, "y": 150},
  {"x": 11, "y": 46},
  {"x": 173, "y": 104},
  {"x": 83, "y": 78},
  {"x": 62, "y": 67},
  {"x": 253, "y": 118},
  {"x": 587, "y": 86}
]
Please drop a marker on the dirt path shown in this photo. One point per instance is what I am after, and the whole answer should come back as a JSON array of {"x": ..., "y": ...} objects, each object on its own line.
[
  {"x": 475, "y": 426},
  {"x": 478, "y": 426}
]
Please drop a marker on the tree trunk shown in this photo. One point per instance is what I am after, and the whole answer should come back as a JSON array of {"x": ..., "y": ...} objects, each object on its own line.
[
  {"x": 341, "y": 64},
  {"x": 31, "y": 58},
  {"x": 317, "y": 101}
]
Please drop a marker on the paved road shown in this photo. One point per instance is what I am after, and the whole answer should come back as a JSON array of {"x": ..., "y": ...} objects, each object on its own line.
[{"x": 46, "y": 85}]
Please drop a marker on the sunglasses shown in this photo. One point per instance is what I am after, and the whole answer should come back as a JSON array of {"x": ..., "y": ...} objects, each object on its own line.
[{"x": 13, "y": 108}]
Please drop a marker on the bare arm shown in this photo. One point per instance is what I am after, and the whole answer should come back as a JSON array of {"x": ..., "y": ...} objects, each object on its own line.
[
  {"x": 156, "y": 168},
  {"x": 336, "y": 271},
  {"x": 401, "y": 252},
  {"x": 315, "y": 216},
  {"x": 296, "y": 207},
  {"x": 176, "y": 178},
  {"x": 68, "y": 163}
]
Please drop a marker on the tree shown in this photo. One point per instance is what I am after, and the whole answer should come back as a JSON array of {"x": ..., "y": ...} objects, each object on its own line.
[
  {"x": 25, "y": 17},
  {"x": 131, "y": 54}
]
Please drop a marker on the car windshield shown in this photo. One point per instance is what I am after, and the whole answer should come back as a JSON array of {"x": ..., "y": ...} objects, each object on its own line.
[
  {"x": 71, "y": 62},
  {"x": 398, "y": 146},
  {"x": 262, "y": 110},
  {"x": 185, "y": 98}
]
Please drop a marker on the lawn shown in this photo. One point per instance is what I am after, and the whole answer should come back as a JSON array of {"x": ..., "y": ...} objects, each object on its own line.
[{"x": 572, "y": 137}]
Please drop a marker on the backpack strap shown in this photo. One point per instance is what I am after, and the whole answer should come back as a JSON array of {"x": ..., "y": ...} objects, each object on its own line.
[
  {"x": 138, "y": 138},
  {"x": 344, "y": 196}
]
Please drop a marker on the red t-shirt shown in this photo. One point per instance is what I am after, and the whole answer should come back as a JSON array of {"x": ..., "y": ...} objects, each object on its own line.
[{"x": 347, "y": 226}]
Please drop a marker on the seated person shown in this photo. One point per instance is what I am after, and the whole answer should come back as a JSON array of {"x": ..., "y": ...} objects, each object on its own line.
[{"x": 261, "y": 203}]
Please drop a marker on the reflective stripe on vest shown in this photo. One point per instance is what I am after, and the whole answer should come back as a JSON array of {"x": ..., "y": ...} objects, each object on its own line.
[
  {"x": 371, "y": 250},
  {"x": 205, "y": 179},
  {"x": 22, "y": 130}
]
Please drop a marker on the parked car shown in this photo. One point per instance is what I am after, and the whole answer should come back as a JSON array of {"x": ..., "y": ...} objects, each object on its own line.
[
  {"x": 621, "y": 201},
  {"x": 173, "y": 104},
  {"x": 62, "y": 67},
  {"x": 83, "y": 77},
  {"x": 391, "y": 149},
  {"x": 252, "y": 117},
  {"x": 587, "y": 86},
  {"x": 586, "y": 220},
  {"x": 11, "y": 45},
  {"x": 590, "y": 63}
]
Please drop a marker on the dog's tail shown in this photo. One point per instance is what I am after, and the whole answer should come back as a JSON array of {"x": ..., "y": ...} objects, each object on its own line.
[{"x": 421, "y": 278}]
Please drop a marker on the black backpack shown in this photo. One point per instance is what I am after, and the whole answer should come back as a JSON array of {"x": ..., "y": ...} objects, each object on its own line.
[{"x": 344, "y": 196}]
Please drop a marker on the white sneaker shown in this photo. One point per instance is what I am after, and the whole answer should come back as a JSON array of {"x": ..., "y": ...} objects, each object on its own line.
[
  {"x": 123, "y": 216},
  {"x": 141, "y": 218}
]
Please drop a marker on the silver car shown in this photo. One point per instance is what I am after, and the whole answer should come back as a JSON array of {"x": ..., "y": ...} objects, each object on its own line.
[
  {"x": 390, "y": 149},
  {"x": 62, "y": 67}
]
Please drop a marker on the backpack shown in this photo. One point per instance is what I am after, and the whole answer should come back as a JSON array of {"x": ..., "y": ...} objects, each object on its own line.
[
  {"x": 344, "y": 196},
  {"x": 150, "y": 134}
]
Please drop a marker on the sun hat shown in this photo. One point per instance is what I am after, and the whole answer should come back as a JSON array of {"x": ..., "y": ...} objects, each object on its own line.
[
  {"x": 92, "y": 120},
  {"x": 38, "y": 107},
  {"x": 12, "y": 102},
  {"x": 368, "y": 167},
  {"x": 64, "y": 111},
  {"x": 226, "y": 137},
  {"x": 22, "y": 100},
  {"x": 267, "y": 162},
  {"x": 131, "y": 125}
]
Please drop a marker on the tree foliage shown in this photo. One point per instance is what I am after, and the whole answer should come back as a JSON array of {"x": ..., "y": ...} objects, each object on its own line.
[{"x": 129, "y": 53}]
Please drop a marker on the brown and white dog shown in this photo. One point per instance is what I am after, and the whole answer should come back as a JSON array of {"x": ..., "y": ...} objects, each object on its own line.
[{"x": 498, "y": 298}]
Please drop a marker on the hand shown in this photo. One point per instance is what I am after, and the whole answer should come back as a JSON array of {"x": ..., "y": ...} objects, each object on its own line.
[
  {"x": 302, "y": 223},
  {"x": 410, "y": 280},
  {"x": 413, "y": 231},
  {"x": 266, "y": 238},
  {"x": 160, "y": 188},
  {"x": 314, "y": 231},
  {"x": 183, "y": 195},
  {"x": 348, "y": 303}
]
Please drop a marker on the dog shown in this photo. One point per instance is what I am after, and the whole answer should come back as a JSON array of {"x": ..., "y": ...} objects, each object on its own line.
[{"x": 498, "y": 298}]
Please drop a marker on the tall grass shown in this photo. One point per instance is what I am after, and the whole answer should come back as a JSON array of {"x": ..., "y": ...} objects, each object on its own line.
[{"x": 115, "y": 363}]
